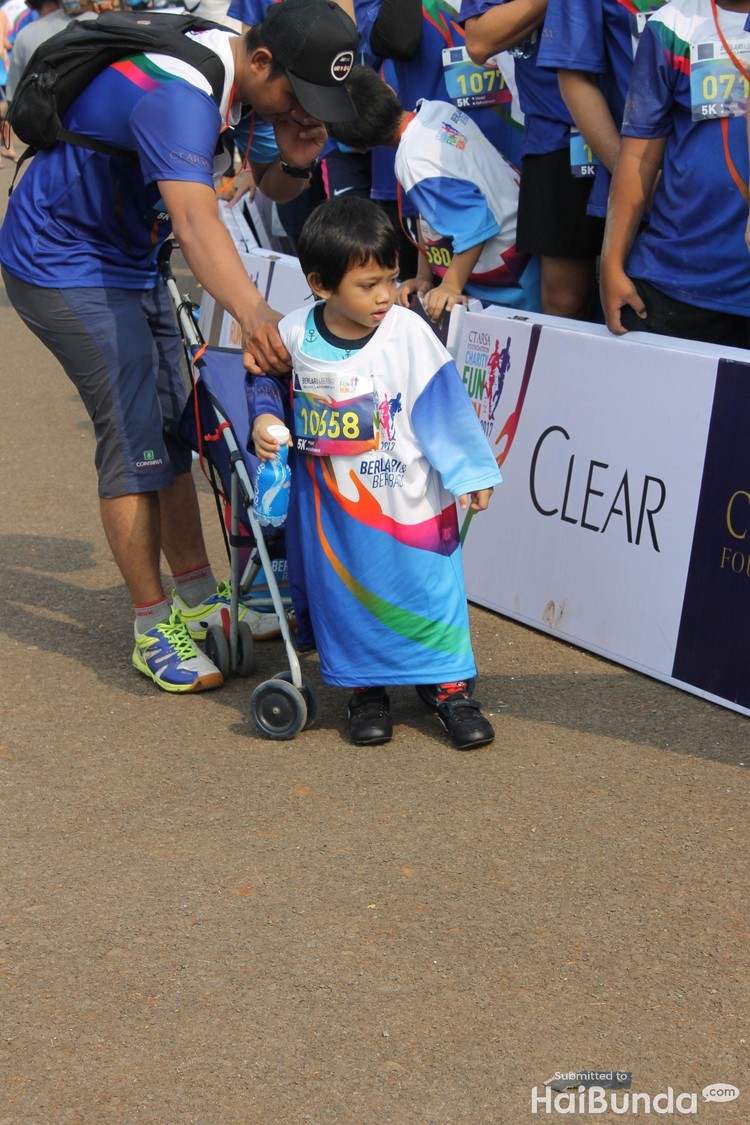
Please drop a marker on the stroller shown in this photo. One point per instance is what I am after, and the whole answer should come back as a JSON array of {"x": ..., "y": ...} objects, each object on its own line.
[{"x": 215, "y": 413}]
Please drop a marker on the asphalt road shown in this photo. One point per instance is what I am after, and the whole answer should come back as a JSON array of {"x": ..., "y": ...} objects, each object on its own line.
[{"x": 199, "y": 925}]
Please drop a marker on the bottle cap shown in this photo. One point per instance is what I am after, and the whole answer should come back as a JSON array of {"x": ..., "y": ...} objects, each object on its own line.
[{"x": 281, "y": 433}]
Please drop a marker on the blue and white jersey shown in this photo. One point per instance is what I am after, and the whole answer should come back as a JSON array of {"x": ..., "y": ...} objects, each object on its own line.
[
  {"x": 431, "y": 73},
  {"x": 598, "y": 37},
  {"x": 465, "y": 193},
  {"x": 81, "y": 218},
  {"x": 693, "y": 247},
  {"x": 373, "y": 501}
]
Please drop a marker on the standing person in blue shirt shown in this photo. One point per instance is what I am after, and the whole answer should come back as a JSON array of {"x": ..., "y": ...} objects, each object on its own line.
[
  {"x": 425, "y": 43},
  {"x": 591, "y": 44},
  {"x": 78, "y": 249},
  {"x": 552, "y": 220},
  {"x": 686, "y": 272}
]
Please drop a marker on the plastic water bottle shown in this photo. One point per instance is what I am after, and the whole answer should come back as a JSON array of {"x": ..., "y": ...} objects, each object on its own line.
[{"x": 271, "y": 499}]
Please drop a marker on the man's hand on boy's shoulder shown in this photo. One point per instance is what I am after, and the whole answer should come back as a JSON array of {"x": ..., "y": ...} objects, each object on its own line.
[{"x": 263, "y": 350}]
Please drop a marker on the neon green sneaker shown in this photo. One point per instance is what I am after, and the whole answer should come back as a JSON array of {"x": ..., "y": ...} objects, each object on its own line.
[
  {"x": 215, "y": 611},
  {"x": 169, "y": 656}
]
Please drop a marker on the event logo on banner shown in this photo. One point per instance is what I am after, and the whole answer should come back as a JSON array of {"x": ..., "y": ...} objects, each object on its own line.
[
  {"x": 484, "y": 369},
  {"x": 713, "y": 646}
]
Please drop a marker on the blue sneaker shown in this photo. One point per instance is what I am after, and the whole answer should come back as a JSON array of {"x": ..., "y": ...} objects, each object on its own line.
[
  {"x": 215, "y": 611},
  {"x": 169, "y": 656}
]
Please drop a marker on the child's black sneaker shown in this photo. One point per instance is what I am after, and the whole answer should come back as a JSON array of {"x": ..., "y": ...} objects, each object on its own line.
[
  {"x": 463, "y": 719},
  {"x": 369, "y": 717}
]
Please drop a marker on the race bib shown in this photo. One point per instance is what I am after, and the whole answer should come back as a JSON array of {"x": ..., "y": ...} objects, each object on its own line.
[
  {"x": 333, "y": 414},
  {"x": 717, "y": 87},
  {"x": 583, "y": 159},
  {"x": 438, "y": 248},
  {"x": 470, "y": 86}
]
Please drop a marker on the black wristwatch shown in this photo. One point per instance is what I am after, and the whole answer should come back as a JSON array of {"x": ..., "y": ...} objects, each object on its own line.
[{"x": 298, "y": 173}]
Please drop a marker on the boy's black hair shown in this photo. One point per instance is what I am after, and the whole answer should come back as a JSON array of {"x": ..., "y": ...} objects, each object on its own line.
[
  {"x": 341, "y": 235},
  {"x": 378, "y": 109}
]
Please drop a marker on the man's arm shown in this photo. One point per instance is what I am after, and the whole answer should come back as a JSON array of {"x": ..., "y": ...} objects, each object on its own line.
[
  {"x": 501, "y": 27},
  {"x": 300, "y": 143},
  {"x": 215, "y": 263},
  {"x": 632, "y": 184},
  {"x": 588, "y": 108}
]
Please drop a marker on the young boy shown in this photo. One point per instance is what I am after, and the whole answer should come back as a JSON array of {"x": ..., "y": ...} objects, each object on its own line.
[
  {"x": 383, "y": 433},
  {"x": 465, "y": 192}
]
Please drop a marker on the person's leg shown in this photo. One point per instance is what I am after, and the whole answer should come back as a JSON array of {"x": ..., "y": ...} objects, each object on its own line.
[
  {"x": 102, "y": 340},
  {"x": 137, "y": 525},
  {"x": 131, "y": 525},
  {"x": 568, "y": 287},
  {"x": 181, "y": 529},
  {"x": 553, "y": 224}
]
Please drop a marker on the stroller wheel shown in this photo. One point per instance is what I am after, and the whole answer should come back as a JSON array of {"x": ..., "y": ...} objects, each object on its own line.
[
  {"x": 217, "y": 649},
  {"x": 308, "y": 692},
  {"x": 245, "y": 649},
  {"x": 278, "y": 709}
]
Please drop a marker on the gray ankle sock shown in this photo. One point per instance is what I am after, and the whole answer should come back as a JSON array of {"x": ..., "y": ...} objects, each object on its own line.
[
  {"x": 195, "y": 585},
  {"x": 148, "y": 616}
]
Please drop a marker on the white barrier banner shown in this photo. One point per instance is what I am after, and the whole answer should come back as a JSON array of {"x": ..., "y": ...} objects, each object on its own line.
[{"x": 602, "y": 444}]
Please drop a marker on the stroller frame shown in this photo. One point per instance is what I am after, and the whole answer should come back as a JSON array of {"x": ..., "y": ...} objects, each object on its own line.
[{"x": 286, "y": 703}]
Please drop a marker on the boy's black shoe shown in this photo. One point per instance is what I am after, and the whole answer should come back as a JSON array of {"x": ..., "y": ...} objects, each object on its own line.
[
  {"x": 463, "y": 719},
  {"x": 369, "y": 717}
]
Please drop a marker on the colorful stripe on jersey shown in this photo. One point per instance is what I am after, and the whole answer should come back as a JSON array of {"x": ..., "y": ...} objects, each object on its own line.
[
  {"x": 436, "y": 635},
  {"x": 636, "y": 7},
  {"x": 436, "y": 12},
  {"x": 143, "y": 72},
  {"x": 675, "y": 47}
]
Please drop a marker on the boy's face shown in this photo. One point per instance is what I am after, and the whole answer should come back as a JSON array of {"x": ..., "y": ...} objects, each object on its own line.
[{"x": 364, "y": 296}]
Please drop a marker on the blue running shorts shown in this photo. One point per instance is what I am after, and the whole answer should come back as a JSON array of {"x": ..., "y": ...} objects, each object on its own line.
[{"x": 122, "y": 350}]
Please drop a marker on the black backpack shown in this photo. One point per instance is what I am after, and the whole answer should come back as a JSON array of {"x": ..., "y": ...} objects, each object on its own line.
[{"x": 62, "y": 67}]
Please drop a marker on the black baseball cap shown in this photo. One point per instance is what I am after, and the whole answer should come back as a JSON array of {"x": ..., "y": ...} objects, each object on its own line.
[{"x": 316, "y": 43}]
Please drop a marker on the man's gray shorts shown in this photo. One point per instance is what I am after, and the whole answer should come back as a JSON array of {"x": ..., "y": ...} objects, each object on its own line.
[{"x": 122, "y": 350}]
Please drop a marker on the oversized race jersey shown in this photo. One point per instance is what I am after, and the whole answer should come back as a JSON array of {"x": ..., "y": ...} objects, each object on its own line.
[
  {"x": 386, "y": 439},
  {"x": 466, "y": 193},
  {"x": 80, "y": 218},
  {"x": 598, "y": 37},
  {"x": 693, "y": 247}
]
